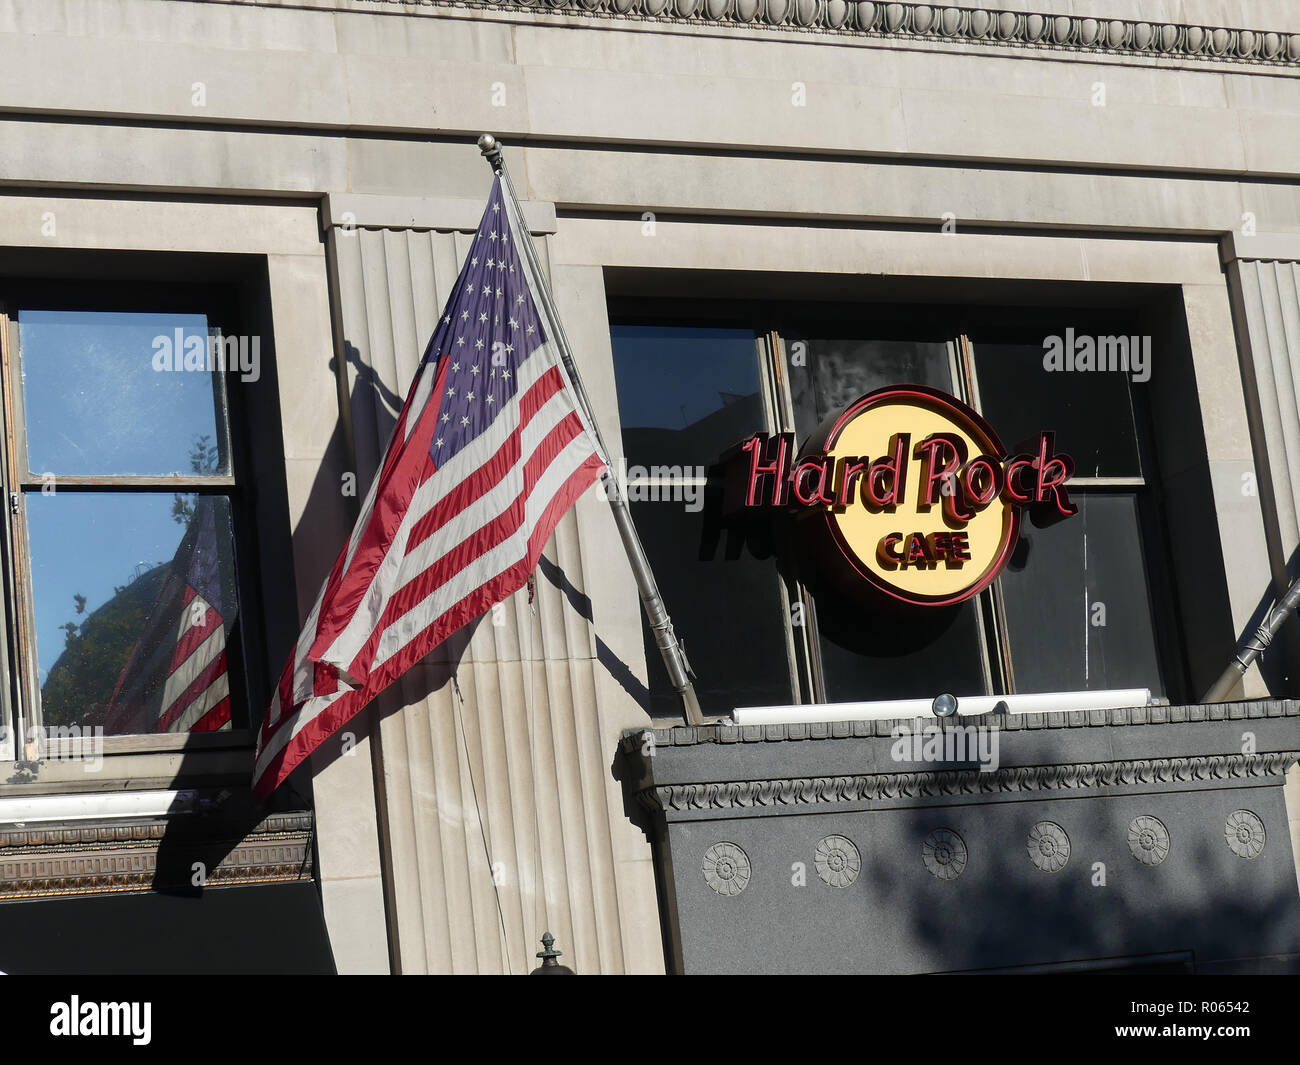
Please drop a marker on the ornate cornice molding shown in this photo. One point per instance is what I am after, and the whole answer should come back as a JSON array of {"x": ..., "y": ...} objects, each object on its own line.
[
  {"x": 107, "y": 858},
  {"x": 931, "y": 22},
  {"x": 814, "y": 791}
]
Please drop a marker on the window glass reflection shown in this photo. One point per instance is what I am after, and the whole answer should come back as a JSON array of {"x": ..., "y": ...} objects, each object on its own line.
[
  {"x": 98, "y": 399},
  {"x": 1078, "y": 609},
  {"x": 1091, "y": 412},
  {"x": 720, "y": 585},
  {"x": 832, "y": 373},
  {"x": 685, "y": 394},
  {"x": 867, "y": 653},
  {"x": 134, "y": 605},
  {"x": 871, "y": 653}
]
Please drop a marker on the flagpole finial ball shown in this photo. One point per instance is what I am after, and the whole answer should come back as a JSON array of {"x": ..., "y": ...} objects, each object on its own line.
[{"x": 491, "y": 149}]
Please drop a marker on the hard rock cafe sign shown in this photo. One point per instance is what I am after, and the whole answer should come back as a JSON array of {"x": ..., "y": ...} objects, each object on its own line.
[{"x": 911, "y": 491}]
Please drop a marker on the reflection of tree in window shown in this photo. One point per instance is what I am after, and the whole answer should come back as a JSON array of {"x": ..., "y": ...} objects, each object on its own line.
[
  {"x": 80, "y": 683},
  {"x": 203, "y": 460},
  {"x": 153, "y": 658}
]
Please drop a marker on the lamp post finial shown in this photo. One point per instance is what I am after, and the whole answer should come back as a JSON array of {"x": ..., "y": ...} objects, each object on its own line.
[{"x": 550, "y": 965}]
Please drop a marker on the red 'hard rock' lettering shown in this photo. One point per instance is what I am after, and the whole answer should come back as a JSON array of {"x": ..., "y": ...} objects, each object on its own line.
[{"x": 951, "y": 479}]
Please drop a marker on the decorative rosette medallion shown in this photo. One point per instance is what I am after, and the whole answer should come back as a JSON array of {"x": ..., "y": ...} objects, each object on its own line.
[
  {"x": 1049, "y": 846},
  {"x": 944, "y": 853},
  {"x": 1148, "y": 839},
  {"x": 838, "y": 861},
  {"x": 1245, "y": 834},
  {"x": 726, "y": 868}
]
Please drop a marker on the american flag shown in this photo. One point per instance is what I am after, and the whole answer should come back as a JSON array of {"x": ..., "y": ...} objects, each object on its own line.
[
  {"x": 488, "y": 453},
  {"x": 176, "y": 678}
]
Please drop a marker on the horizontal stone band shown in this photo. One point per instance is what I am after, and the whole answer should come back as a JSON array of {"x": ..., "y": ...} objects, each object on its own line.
[{"x": 812, "y": 791}]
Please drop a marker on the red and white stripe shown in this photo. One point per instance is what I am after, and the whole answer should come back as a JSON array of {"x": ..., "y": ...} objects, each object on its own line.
[{"x": 196, "y": 693}]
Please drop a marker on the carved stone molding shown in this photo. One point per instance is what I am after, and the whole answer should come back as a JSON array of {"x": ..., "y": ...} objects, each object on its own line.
[
  {"x": 1244, "y": 833},
  {"x": 837, "y": 860},
  {"x": 1148, "y": 839},
  {"x": 107, "y": 858},
  {"x": 944, "y": 853},
  {"x": 1048, "y": 846},
  {"x": 726, "y": 868},
  {"x": 813, "y": 791},
  {"x": 930, "y": 22}
]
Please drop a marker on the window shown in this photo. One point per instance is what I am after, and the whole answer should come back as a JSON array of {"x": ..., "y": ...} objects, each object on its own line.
[
  {"x": 1075, "y": 607},
  {"x": 857, "y": 652},
  {"x": 1097, "y": 561},
  {"x": 121, "y": 471},
  {"x": 685, "y": 393}
]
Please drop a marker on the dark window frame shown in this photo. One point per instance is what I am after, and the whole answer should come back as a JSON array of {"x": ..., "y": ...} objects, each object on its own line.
[
  {"x": 772, "y": 322},
  {"x": 222, "y": 302}
]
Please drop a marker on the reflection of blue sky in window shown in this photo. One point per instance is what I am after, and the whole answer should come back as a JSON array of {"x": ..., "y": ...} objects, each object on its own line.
[
  {"x": 91, "y": 543},
  {"x": 94, "y": 404},
  {"x": 670, "y": 377}
]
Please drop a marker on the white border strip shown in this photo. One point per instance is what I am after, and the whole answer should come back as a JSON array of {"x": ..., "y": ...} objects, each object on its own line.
[
  {"x": 22, "y": 810},
  {"x": 1045, "y": 703}
]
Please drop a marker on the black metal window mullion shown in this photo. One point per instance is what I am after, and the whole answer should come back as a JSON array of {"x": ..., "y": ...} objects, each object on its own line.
[
  {"x": 12, "y": 694},
  {"x": 806, "y": 684}
]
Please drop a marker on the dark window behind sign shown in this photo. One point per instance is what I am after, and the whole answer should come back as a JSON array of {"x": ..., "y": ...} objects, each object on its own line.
[
  {"x": 685, "y": 395},
  {"x": 1073, "y": 610}
]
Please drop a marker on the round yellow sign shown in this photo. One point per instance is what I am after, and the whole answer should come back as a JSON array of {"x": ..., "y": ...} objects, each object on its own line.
[
  {"x": 913, "y": 490},
  {"x": 913, "y": 533}
]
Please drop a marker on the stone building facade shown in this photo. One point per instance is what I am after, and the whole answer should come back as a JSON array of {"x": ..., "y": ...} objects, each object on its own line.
[{"x": 314, "y": 162}]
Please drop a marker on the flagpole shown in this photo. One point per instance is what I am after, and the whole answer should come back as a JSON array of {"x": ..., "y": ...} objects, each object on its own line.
[
  {"x": 1254, "y": 645},
  {"x": 679, "y": 670}
]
